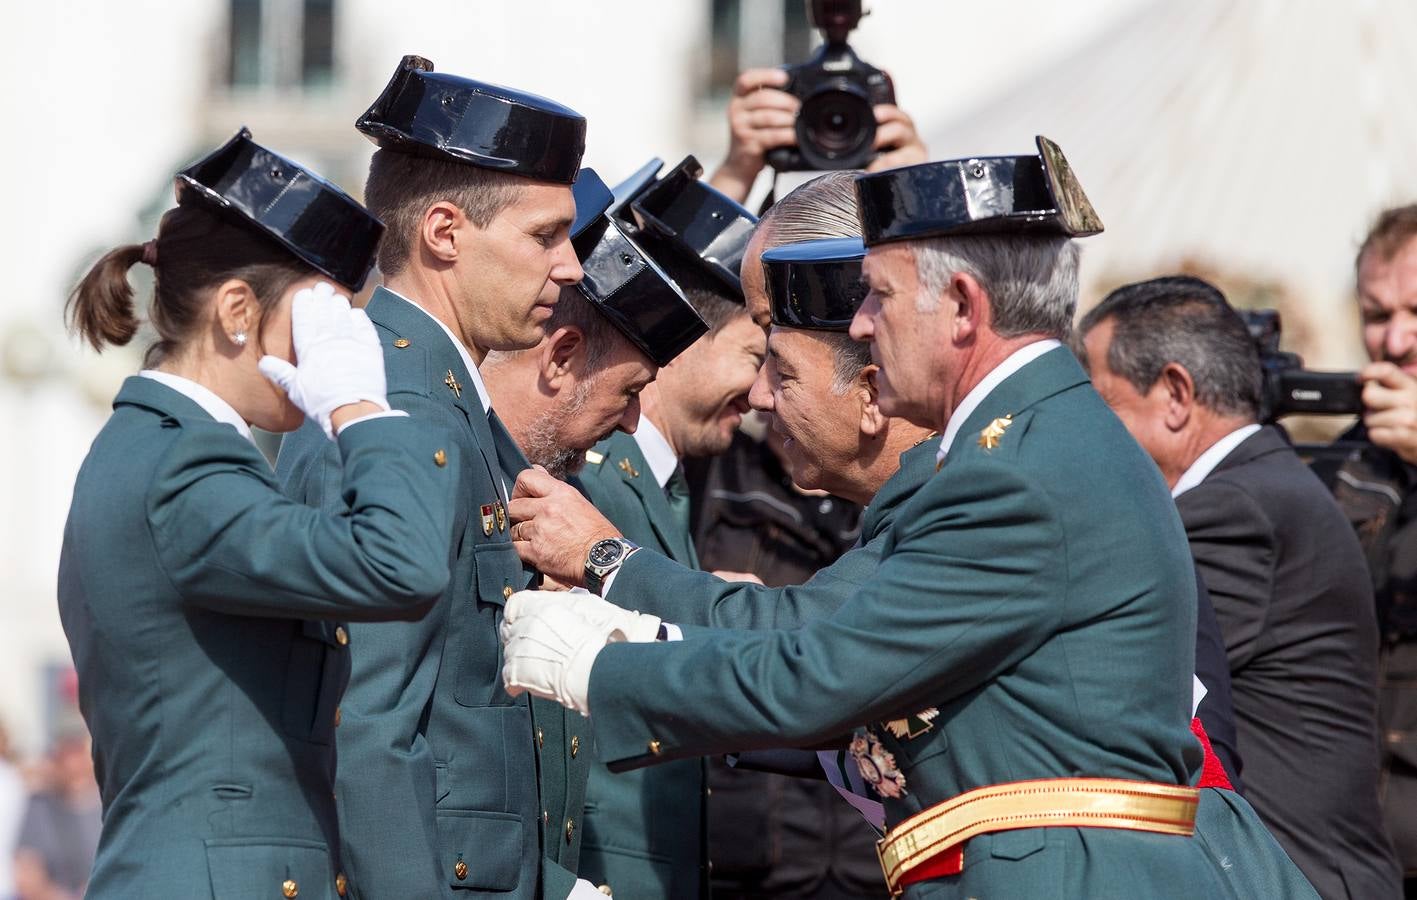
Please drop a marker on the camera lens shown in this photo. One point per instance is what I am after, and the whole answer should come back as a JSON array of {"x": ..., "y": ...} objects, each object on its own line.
[{"x": 836, "y": 127}]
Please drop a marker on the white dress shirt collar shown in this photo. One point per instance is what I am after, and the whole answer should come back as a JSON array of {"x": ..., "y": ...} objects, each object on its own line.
[
  {"x": 1015, "y": 361},
  {"x": 1212, "y": 457},
  {"x": 472, "y": 372},
  {"x": 656, "y": 450},
  {"x": 204, "y": 397}
]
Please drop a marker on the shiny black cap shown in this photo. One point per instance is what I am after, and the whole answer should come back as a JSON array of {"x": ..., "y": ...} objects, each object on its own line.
[
  {"x": 623, "y": 282},
  {"x": 991, "y": 195},
  {"x": 319, "y": 223},
  {"x": 454, "y": 118},
  {"x": 693, "y": 220},
  {"x": 815, "y": 284}
]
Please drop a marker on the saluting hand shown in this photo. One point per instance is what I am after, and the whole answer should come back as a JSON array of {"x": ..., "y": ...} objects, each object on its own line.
[
  {"x": 338, "y": 361},
  {"x": 1390, "y": 408},
  {"x": 554, "y": 526}
]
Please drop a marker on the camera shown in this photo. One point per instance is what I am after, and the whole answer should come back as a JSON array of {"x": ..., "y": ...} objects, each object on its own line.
[
  {"x": 836, "y": 125},
  {"x": 1290, "y": 388}
]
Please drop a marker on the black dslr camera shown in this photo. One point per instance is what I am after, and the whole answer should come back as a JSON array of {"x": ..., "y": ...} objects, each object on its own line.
[
  {"x": 1289, "y": 387},
  {"x": 836, "y": 126}
]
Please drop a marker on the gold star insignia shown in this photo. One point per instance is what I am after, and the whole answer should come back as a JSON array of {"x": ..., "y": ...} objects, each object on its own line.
[
  {"x": 453, "y": 385},
  {"x": 989, "y": 437}
]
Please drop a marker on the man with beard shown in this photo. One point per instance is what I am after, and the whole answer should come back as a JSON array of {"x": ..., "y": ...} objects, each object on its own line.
[
  {"x": 437, "y": 785},
  {"x": 644, "y": 832},
  {"x": 1018, "y": 667},
  {"x": 604, "y": 342}
]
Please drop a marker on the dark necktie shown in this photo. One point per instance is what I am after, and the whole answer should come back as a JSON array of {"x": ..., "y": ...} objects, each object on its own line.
[{"x": 676, "y": 490}]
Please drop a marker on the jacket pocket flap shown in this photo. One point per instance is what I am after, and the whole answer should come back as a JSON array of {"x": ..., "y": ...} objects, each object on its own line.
[
  {"x": 1017, "y": 843},
  {"x": 480, "y": 850},
  {"x": 257, "y": 868},
  {"x": 499, "y": 572}
]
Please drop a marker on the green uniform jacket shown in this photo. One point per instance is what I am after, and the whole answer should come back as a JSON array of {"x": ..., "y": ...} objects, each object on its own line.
[
  {"x": 654, "y": 584},
  {"x": 437, "y": 780},
  {"x": 563, "y": 769},
  {"x": 1040, "y": 595},
  {"x": 645, "y": 834},
  {"x": 201, "y": 607}
]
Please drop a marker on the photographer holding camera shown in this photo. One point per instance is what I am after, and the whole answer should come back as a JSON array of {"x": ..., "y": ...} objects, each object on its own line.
[
  {"x": 1182, "y": 371},
  {"x": 832, "y": 112},
  {"x": 1376, "y": 486}
]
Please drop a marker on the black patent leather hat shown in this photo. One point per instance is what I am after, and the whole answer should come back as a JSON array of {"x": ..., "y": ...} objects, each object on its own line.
[
  {"x": 988, "y": 195},
  {"x": 694, "y": 221},
  {"x": 449, "y": 117},
  {"x": 815, "y": 284},
  {"x": 319, "y": 223},
  {"x": 624, "y": 283}
]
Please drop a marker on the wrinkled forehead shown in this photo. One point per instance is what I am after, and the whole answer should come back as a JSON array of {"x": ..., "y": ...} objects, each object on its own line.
[
  {"x": 800, "y": 349},
  {"x": 892, "y": 262}
]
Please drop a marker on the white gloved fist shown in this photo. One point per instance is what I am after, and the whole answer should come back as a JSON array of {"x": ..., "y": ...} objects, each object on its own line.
[
  {"x": 621, "y": 624},
  {"x": 548, "y": 650},
  {"x": 584, "y": 890},
  {"x": 337, "y": 355}
]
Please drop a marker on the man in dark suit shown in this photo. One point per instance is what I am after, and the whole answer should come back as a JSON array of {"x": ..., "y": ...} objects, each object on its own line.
[{"x": 1285, "y": 573}]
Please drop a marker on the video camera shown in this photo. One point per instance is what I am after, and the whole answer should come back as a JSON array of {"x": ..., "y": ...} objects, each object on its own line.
[
  {"x": 836, "y": 125},
  {"x": 1288, "y": 387}
]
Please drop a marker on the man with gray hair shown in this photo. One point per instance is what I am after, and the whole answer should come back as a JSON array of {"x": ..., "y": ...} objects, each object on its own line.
[
  {"x": 1285, "y": 574},
  {"x": 1018, "y": 667}
]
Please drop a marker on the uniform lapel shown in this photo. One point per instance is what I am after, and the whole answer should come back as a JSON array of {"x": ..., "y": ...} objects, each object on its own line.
[
  {"x": 1052, "y": 373},
  {"x": 640, "y": 479}
]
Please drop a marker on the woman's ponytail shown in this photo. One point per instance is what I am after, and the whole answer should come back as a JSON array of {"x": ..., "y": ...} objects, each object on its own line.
[{"x": 101, "y": 308}]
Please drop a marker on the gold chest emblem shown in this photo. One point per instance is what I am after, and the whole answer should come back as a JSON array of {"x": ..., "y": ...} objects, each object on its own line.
[{"x": 989, "y": 437}]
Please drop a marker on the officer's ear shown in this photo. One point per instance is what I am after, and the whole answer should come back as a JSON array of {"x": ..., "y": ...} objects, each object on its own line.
[
  {"x": 873, "y": 422},
  {"x": 442, "y": 231},
  {"x": 562, "y": 356},
  {"x": 1178, "y": 394},
  {"x": 970, "y": 312}
]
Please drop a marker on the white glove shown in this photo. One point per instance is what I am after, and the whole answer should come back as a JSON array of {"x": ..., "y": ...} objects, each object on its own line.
[
  {"x": 337, "y": 354},
  {"x": 623, "y": 624},
  {"x": 548, "y": 651},
  {"x": 584, "y": 890}
]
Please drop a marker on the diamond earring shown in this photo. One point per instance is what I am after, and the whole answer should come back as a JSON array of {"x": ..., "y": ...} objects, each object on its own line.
[{"x": 239, "y": 338}]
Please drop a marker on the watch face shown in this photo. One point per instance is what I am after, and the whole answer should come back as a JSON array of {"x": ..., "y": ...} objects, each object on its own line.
[{"x": 606, "y": 553}]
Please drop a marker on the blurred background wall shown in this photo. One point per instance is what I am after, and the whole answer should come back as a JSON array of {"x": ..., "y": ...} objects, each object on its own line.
[{"x": 1251, "y": 142}]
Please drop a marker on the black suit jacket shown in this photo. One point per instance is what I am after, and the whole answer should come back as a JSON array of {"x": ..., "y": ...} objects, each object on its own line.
[{"x": 1291, "y": 591}]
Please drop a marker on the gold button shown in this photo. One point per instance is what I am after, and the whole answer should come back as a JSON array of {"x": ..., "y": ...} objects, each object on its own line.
[
  {"x": 605, "y": 889},
  {"x": 440, "y": 459},
  {"x": 654, "y": 748},
  {"x": 507, "y": 592},
  {"x": 460, "y": 870},
  {"x": 708, "y": 792},
  {"x": 341, "y": 884},
  {"x": 341, "y": 636},
  {"x": 540, "y": 738},
  {"x": 338, "y": 716},
  {"x": 570, "y": 829},
  {"x": 289, "y": 888},
  {"x": 575, "y": 745},
  {"x": 401, "y": 343}
]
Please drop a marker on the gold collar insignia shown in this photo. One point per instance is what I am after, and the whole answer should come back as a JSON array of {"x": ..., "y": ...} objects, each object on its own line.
[{"x": 989, "y": 437}]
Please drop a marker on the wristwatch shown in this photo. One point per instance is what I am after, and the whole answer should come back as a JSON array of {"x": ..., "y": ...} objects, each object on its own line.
[{"x": 604, "y": 558}]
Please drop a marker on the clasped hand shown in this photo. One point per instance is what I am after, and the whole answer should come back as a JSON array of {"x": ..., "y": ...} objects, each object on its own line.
[{"x": 550, "y": 641}]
